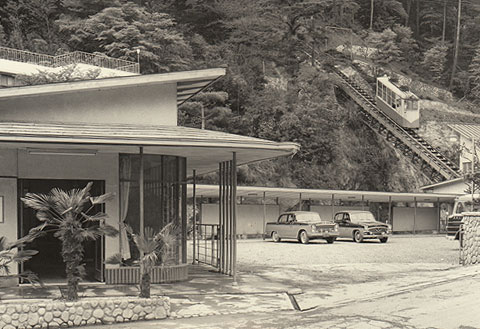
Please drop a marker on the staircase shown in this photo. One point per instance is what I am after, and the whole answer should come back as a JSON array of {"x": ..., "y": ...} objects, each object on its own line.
[{"x": 430, "y": 161}]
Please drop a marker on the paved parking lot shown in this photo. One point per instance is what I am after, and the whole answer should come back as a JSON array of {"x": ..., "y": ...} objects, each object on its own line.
[{"x": 400, "y": 249}]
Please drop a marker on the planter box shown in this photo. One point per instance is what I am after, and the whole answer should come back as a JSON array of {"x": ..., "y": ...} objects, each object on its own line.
[{"x": 160, "y": 274}]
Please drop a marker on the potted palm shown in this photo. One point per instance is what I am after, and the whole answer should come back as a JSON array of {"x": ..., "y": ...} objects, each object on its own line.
[
  {"x": 153, "y": 248},
  {"x": 67, "y": 215},
  {"x": 13, "y": 253}
]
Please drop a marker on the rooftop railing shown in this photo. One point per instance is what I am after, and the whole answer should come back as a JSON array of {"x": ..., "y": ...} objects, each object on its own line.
[{"x": 76, "y": 57}]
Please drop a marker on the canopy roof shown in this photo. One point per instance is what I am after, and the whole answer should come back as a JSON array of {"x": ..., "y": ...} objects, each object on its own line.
[
  {"x": 311, "y": 194},
  {"x": 188, "y": 84},
  {"x": 204, "y": 149},
  {"x": 467, "y": 130}
]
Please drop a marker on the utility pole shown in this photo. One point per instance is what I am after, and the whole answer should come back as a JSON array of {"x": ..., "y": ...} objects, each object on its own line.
[
  {"x": 457, "y": 44},
  {"x": 444, "y": 21},
  {"x": 371, "y": 14},
  {"x": 473, "y": 170}
]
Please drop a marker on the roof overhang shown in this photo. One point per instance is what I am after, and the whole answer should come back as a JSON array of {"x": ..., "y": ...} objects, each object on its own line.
[
  {"x": 442, "y": 184},
  {"x": 466, "y": 130},
  {"x": 204, "y": 149},
  {"x": 318, "y": 194},
  {"x": 188, "y": 84}
]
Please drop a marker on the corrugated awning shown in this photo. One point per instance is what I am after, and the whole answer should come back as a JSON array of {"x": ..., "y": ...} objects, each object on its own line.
[
  {"x": 467, "y": 130},
  {"x": 204, "y": 149},
  {"x": 320, "y": 194}
]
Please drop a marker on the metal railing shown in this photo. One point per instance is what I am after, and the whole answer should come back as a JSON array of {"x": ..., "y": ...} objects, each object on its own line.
[
  {"x": 76, "y": 57},
  {"x": 206, "y": 244}
]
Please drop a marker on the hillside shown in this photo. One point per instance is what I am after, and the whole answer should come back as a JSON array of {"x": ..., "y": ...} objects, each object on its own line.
[{"x": 271, "y": 89}]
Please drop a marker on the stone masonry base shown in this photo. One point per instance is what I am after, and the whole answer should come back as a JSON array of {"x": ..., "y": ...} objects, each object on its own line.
[
  {"x": 53, "y": 314},
  {"x": 470, "y": 251}
]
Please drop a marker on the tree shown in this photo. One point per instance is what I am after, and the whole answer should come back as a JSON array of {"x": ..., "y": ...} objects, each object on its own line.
[
  {"x": 154, "y": 249},
  {"x": 14, "y": 253},
  {"x": 385, "y": 42},
  {"x": 434, "y": 60},
  {"x": 65, "y": 74},
  {"x": 474, "y": 77},
  {"x": 206, "y": 109},
  {"x": 119, "y": 31},
  {"x": 67, "y": 215}
]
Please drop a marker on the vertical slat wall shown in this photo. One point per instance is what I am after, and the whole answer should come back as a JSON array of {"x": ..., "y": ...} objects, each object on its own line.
[{"x": 227, "y": 178}]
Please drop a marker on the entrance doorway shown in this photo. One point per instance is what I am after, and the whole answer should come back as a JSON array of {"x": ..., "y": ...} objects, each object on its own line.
[{"x": 48, "y": 263}]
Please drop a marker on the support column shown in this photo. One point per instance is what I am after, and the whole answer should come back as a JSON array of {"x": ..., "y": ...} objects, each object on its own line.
[
  {"x": 221, "y": 238},
  {"x": 439, "y": 215},
  {"x": 194, "y": 224},
  {"x": 264, "y": 214},
  {"x": 234, "y": 213},
  {"x": 414, "y": 214},
  {"x": 390, "y": 211},
  {"x": 333, "y": 206},
  {"x": 363, "y": 202},
  {"x": 141, "y": 193},
  {"x": 300, "y": 202}
]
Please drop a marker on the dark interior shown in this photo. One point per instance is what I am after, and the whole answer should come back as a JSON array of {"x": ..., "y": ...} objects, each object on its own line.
[{"x": 48, "y": 263}]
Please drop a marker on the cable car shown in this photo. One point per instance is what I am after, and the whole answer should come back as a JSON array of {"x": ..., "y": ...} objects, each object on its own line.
[{"x": 400, "y": 105}]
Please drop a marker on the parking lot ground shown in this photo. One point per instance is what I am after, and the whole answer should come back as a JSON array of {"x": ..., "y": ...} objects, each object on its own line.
[{"x": 410, "y": 282}]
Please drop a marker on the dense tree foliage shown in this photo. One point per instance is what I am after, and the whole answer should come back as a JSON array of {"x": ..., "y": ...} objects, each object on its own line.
[{"x": 271, "y": 89}]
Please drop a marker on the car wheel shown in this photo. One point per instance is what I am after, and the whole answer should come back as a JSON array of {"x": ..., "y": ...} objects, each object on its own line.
[
  {"x": 383, "y": 240},
  {"x": 330, "y": 240},
  {"x": 304, "y": 237},
  {"x": 275, "y": 237},
  {"x": 357, "y": 236}
]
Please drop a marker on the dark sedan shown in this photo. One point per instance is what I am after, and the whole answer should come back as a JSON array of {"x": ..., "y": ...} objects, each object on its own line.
[{"x": 360, "y": 225}]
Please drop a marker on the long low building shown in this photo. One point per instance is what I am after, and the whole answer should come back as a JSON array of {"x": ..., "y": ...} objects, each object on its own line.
[{"x": 406, "y": 212}]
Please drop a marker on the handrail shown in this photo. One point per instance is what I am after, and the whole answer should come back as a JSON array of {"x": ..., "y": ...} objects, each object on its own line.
[{"x": 75, "y": 57}]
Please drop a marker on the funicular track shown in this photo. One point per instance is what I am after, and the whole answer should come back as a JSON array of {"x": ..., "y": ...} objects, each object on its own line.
[{"x": 430, "y": 161}]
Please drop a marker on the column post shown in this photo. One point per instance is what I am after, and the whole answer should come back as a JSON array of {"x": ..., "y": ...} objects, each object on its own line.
[
  {"x": 234, "y": 217},
  {"x": 264, "y": 213},
  {"x": 194, "y": 224},
  {"x": 414, "y": 214}
]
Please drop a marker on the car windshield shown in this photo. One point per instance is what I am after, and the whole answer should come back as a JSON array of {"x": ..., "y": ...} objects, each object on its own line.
[
  {"x": 362, "y": 217},
  {"x": 467, "y": 206},
  {"x": 308, "y": 217}
]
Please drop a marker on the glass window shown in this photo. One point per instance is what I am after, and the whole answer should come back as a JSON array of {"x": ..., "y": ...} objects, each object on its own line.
[
  {"x": 364, "y": 216},
  {"x": 164, "y": 196},
  {"x": 283, "y": 219},
  {"x": 311, "y": 217}
]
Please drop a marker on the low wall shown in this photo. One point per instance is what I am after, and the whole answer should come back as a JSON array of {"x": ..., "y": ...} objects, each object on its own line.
[
  {"x": 53, "y": 314},
  {"x": 160, "y": 274},
  {"x": 426, "y": 219},
  {"x": 470, "y": 250}
]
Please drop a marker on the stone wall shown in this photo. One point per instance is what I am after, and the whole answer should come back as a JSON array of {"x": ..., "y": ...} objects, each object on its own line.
[
  {"x": 470, "y": 250},
  {"x": 53, "y": 314}
]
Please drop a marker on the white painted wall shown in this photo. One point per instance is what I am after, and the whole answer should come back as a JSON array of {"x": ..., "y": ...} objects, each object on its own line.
[
  {"x": 144, "y": 105},
  {"x": 426, "y": 219},
  {"x": 9, "y": 218},
  {"x": 249, "y": 217}
]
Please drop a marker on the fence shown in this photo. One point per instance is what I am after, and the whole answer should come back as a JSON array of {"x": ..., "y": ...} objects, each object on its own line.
[
  {"x": 76, "y": 57},
  {"x": 206, "y": 244}
]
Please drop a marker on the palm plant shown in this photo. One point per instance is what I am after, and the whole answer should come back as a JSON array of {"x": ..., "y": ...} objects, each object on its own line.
[
  {"x": 154, "y": 249},
  {"x": 12, "y": 253},
  {"x": 67, "y": 215}
]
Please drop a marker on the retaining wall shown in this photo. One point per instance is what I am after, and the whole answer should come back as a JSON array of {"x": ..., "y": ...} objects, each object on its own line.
[
  {"x": 53, "y": 314},
  {"x": 470, "y": 250}
]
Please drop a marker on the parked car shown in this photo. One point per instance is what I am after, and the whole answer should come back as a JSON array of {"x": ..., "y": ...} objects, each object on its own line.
[
  {"x": 360, "y": 225},
  {"x": 302, "y": 226}
]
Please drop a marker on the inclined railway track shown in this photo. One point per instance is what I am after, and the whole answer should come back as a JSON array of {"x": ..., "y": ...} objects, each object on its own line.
[{"x": 432, "y": 162}]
